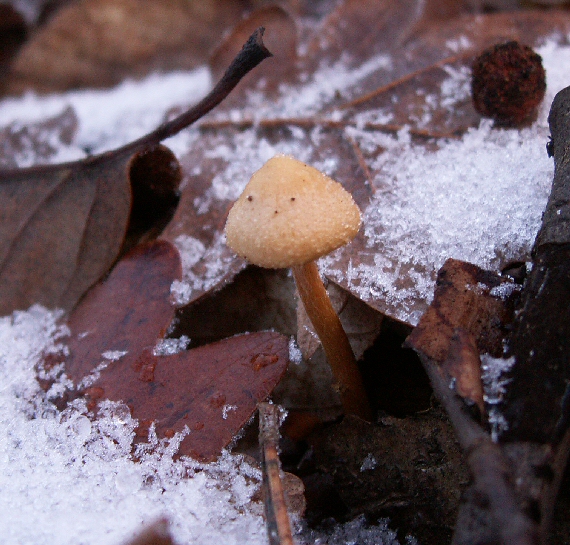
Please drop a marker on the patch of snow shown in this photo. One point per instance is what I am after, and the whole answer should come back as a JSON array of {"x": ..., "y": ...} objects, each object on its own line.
[
  {"x": 357, "y": 531},
  {"x": 215, "y": 260},
  {"x": 114, "y": 355},
  {"x": 295, "y": 354},
  {"x": 368, "y": 463},
  {"x": 479, "y": 198},
  {"x": 110, "y": 118},
  {"x": 167, "y": 347},
  {"x": 494, "y": 388},
  {"x": 68, "y": 477}
]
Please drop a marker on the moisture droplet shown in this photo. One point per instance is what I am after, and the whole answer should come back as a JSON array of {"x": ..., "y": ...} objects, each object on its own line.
[
  {"x": 218, "y": 400},
  {"x": 259, "y": 361}
]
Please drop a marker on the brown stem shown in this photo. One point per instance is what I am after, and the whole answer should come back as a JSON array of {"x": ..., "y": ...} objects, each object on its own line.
[
  {"x": 333, "y": 338},
  {"x": 395, "y": 83},
  {"x": 311, "y": 122}
]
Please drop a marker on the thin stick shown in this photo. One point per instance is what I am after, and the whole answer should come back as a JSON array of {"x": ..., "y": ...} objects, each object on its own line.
[
  {"x": 278, "y": 524},
  {"x": 411, "y": 75},
  {"x": 333, "y": 338},
  {"x": 311, "y": 122}
]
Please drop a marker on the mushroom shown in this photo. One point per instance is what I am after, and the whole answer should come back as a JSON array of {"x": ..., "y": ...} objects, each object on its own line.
[{"x": 289, "y": 215}]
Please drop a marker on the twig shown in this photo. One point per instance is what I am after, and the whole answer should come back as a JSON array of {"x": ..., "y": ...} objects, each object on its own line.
[
  {"x": 278, "y": 524},
  {"x": 252, "y": 53},
  {"x": 492, "y": 488},
  {"x": 311, "y": 122},
  {"x": 395, "y": 83}
]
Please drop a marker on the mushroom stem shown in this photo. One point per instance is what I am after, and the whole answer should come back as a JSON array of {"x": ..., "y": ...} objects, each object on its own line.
[{"x": 333, "y": 338}]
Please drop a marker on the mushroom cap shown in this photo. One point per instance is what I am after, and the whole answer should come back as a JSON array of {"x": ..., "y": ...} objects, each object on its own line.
[{"x": 289, "y": 214}]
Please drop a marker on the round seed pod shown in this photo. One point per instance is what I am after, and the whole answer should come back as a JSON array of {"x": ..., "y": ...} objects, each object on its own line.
[{"x": 508, "y": 83}]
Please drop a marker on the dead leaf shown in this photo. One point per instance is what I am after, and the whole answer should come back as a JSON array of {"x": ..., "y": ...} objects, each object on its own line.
[
  {"x": 62, "y": 226},
  {"x": 94, "y": 43},
  {"x": 213, "y": 390},
  {"x": 37, "y": 142},
  {"x": 139, "y": 287},
  {"x": 466, "y": 298}
]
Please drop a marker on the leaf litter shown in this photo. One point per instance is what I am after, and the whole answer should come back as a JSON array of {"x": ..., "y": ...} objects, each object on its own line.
[{"x": 104, "y": 450}]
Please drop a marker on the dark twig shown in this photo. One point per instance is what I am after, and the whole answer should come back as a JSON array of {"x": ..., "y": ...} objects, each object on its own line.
[
  {"x": 493, "y": 491},
  {"x": 278, "y": 524},
  {"x": 252, "y": 53}
]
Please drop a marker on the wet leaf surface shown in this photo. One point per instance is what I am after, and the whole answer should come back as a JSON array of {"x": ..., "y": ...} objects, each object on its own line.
[{"x": 115, "y": 353}]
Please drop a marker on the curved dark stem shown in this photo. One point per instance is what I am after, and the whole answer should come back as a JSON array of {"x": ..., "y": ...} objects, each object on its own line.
[{"x": 252, "y": 53}]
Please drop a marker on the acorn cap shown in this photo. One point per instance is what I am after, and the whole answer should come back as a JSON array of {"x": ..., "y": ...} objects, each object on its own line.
[{"x": 289, "y": 214}]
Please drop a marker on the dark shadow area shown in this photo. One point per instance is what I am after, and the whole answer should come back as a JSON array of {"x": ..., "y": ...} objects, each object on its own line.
[{"x": 394, "y": 377}]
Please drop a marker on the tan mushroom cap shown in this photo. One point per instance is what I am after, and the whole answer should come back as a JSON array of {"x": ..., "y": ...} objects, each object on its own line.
[{"x": 289, "y": 214}]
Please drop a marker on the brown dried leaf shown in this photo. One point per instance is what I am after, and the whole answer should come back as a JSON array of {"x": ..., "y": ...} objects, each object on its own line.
[
  {"x": 213, "y": 389},
  {"x": 62, "y": 227},
  {"x": 468, "y": 316},
  {"x": 94, "y": 43}
]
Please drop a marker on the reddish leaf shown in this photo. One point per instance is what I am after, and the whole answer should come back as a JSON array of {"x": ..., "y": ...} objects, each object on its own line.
[
  {"x": 213, "y": 389},
  {"x": 128, "y": 312}
]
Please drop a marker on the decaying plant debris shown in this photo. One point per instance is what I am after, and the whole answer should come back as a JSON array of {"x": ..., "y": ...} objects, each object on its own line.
[{"x": 455, "y": 451}]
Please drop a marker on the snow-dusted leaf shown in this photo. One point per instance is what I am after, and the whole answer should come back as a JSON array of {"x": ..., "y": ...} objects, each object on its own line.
[
  {"x": 390, "y": 104},
  {"x": 116, "y": 353}
]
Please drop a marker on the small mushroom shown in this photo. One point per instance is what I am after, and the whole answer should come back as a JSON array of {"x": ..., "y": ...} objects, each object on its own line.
[{"x": 289, "y": 215}]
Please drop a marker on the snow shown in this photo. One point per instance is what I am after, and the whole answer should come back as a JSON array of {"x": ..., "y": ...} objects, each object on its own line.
[
  {"x": 495, "y": 383},
  {"x": 68, "y": 477}
]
